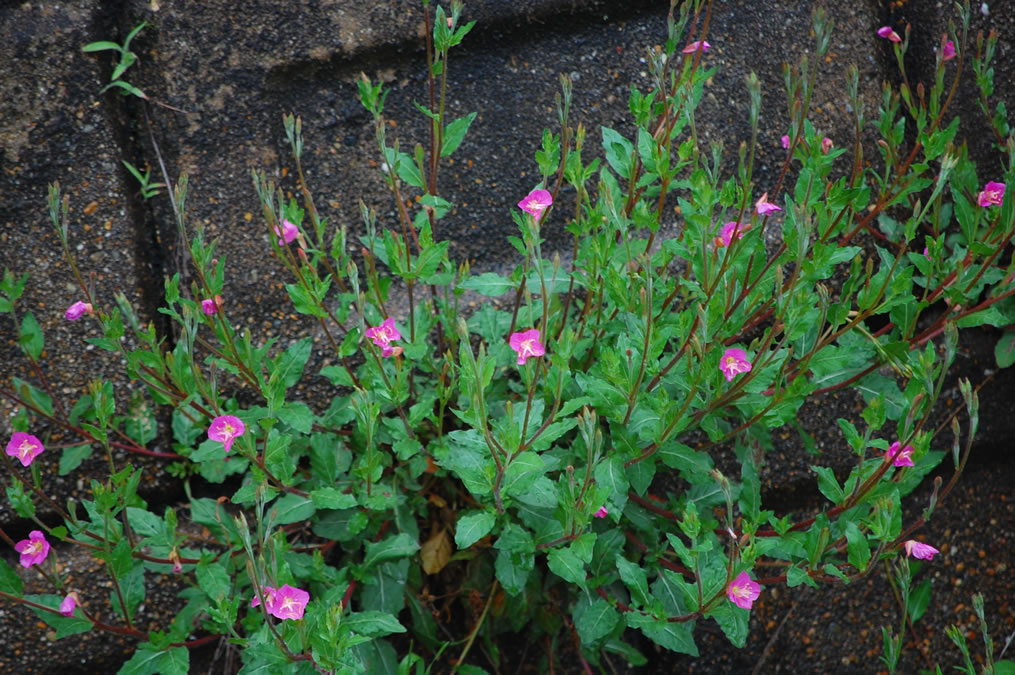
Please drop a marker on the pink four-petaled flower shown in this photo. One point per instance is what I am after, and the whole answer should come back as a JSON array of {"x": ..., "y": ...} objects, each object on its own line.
[
  {"x": 77, "y": 310},
  {"x": 383, "y": 336},
  {"x": 288, "y": 233},
  {"x": 900, "y": 456},
  {"x": 826, "y": 145},
  {"x": 286, "y": 602},
  {"x": 730, "y": 231},
  {"x": 693, "y": 47},
  {"x": 764, "y": 207},
  {"x": 743, "y": 591},
  {"x": 526, "y": 344},
  {"x": 734, "y": 361},
  {"x": 992, "y": 195},
  {"x": 209, "y": 307},
  {"x": 601, "y": 513},
  {"x": 948, "y": 53},
  {"x": 920, "y": 550},
  {"x": 785, "y": 142},
  {"x": 33, "y": 550},
  {"x": 887, "y": 33},
  {"x": 25, "y": 447},
  {"x": 226, "y": 428},
  {"x": 536, "y": 202}
]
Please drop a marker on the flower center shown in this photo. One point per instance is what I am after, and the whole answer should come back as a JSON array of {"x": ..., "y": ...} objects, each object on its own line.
[{"x": 25, "y": 448}]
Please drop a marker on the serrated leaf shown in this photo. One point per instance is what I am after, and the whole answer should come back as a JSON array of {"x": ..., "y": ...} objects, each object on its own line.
[
  {"x": 72, "y": 457},
  {"x": 213, "y": 580},
  {"x": 332, "y": 498}
]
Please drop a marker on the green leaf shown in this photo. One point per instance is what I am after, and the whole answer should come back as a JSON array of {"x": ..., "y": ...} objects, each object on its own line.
[
  {"x": 332, "y": 498},
  {"x": 919, "y": 600},
  {"x": 796, "y": 576},
  {"x": 594, "y": 618},
  {"x": 472, "y": 527},
  {"x": 10, "y": 582},
  {"x": 392, "y": 548},
  {"x": 454, "y": 134},
  {"x": 733, "y": 621},
  {"x": 213, "y": 580},
  {"x": 147, "y": 660},
  {"x": 297, "y": 415},
  {"x": 488, "y": 284},
  {"x": 618, "y": 152},
  {"x": 566, "y": 565},
  {"x": 73, "y": 456},
  {"x": 677, "y": 637},
  {"x": 522, "y": 472},
  {"x": 858, "y": 548},
  {"x": 1004, "y": 350},
  {"x": 292, "y": 508},
  {"x": 31, "y": 336},
  {"x": 373, "y": 624},
  {"x": 828, "y": 484},
  {"x": 634, "y": 577}
]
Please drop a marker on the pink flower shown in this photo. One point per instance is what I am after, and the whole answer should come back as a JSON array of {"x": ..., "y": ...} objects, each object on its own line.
[
  {"x": 226, "y": 428},
  {"x": 948, "y": 53},
  {"x": 269, "y": 597},
  {"x": 209, "y": 307},
  {"x": 284, "y": 603},
  {"x": 25, "y": 447},
  {"x": 693, "y": 47},
  {"x": 903, "y": 457},
  {"x": 785, "y": 142},
  {"x": 734, "y": 361},
  {"x": 992, "y": 194},
  {"x": 926, "y": 253},
  {"x": 921, "y": 551},
  {"x": 743, "y": 591},
  {"x": 288, "y": 603},
  {"x": 288, "y": 233},
  {"x": 889, "y": 34},
  {"x": 383, "y": 335},
  {"x": 77, "y": 310},
  {"x": 526, "y": 344},
  {"x": 33, "y": 550},
  {"x": 764, "y": 207},
  {"x": 68, "y": 605},
  {"x": 601, "y": 513},
  {"x": 536, "y": 202},
  {"x": 730, "y": 231},
  {"x": 826, "y": 144}
]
